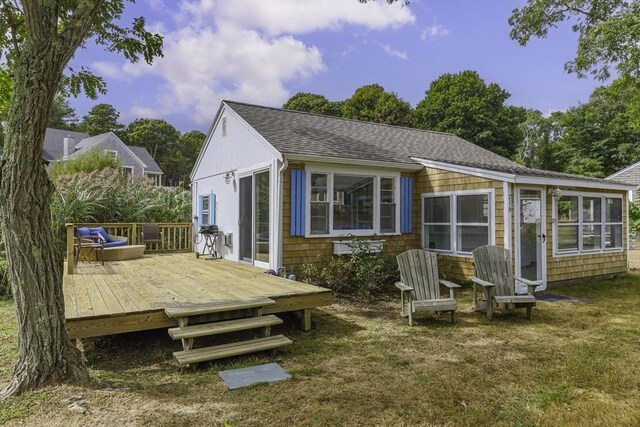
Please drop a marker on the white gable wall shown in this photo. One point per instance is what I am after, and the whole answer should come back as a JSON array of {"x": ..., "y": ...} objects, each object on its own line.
[{"x": 240, "y": 151}]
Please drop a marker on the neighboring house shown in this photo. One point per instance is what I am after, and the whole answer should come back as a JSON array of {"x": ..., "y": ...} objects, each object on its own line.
[
  {"x": 288, "y": 188},
  {"x": 629, "y": 175},
  {"x": 63, "y": 144}
]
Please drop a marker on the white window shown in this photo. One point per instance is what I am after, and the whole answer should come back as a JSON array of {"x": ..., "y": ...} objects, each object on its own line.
[
  {"x": 112, "y": 153},
  {"x": 587, "y": 223},
  {"x": 128, "y": 170},
  {"x": 223, "y": 125},
  {"x": 205, "y": 210},
  {"x": 458, "y": 222},
  {"x": 347, "y": 203}
]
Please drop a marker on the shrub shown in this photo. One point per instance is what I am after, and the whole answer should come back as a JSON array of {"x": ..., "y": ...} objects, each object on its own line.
[
  {"x": 362, "y": 274},
  {"x": 634, "y": 217},
  {"x": 84, "y": 163}
]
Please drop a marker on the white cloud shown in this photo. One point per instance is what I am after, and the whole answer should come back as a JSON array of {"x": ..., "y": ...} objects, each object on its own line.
[
  {"x": 245, "y": 51},
  {"x": 302, "y": 16},
  {"x": 394, "y": 52},
  {"x": 434, "y": 31},
  {"x": 109, "y": 70}
]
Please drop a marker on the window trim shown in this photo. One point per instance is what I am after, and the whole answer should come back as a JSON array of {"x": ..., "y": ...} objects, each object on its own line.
[
  {"x": 112, "y": 152},
  {"x": 130, "y": 168},
  {"x": 603, "y": 223},
  {"x": 330, "y": 172},
  {"x": 204, "y": 211},
  {"x": 453, "y": 219}
]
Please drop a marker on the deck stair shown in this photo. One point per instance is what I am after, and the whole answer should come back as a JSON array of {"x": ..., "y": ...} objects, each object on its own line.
[{"x": 245, "y": 314}]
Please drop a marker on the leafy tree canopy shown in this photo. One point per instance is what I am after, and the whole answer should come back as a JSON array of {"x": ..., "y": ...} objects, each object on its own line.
[
  {"x": 464, "y": 105},
  {"x": 102, "y": 118},
  {"x": 188, "y": 149},
  {"x": 373, "y": 104},
  {"x": 608, "y": 32},
  {"x": 161, "y": 140},
  {"x": 313, "y": 103}
]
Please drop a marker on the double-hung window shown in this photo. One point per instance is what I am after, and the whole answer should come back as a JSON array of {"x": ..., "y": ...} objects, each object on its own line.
[
  {"x": 205, "y": 209},
  {"x": 587, "y": 223},
  {"x": 347, "y": 203},
  {"x": 457, "y": 222}
]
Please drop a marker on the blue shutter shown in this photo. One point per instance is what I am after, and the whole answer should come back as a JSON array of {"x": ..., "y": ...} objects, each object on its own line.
[
  {"x": 406, "y": 204},
  {"x": 199, "y": 211},
  {"x": 298, "y": 209},
  {"x": 212, "y": 208}
]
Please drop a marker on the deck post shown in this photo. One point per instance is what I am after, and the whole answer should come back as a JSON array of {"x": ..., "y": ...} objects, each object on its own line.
[
  {"x": 70, "y": 249},
  {"x": 134, "y": 234},
  {"x": 306, "y": 320}
]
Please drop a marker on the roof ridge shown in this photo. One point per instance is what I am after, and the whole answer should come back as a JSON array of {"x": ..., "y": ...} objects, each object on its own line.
[{"x": 226, "y": 101}]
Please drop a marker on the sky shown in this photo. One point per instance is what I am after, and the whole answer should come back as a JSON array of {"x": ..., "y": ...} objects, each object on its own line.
[{"x": 264, "y": 51}]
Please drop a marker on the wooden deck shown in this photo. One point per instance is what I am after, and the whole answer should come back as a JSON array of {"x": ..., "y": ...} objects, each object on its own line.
[{"x": 127, "y": 296}]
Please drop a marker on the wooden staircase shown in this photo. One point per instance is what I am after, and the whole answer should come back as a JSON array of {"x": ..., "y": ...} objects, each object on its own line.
[{"x": 245, "y": 315}]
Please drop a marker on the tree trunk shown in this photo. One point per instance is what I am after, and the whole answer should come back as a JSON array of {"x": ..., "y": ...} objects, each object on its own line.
[{"x": 46, "y": 354}]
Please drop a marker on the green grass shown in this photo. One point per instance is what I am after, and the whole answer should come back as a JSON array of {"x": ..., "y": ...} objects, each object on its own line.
[{"x": 575, "y": 364}]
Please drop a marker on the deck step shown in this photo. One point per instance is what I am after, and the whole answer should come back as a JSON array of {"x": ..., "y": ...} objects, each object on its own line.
[
  {"x": 222, "y": 351},
  {"x": 216, "y": 307},
  {"x": 216, "y": 328}
]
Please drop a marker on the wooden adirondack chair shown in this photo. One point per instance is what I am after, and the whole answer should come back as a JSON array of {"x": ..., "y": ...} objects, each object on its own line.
[
  {"x": 420, "y": 285},
  {"x": 494, "y": 275}
]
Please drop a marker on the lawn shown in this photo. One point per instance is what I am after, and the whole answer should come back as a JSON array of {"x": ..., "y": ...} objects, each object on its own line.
[{"x": 575, "y": 364}]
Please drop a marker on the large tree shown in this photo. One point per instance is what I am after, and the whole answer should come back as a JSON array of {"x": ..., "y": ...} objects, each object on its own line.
[
  {"x": 608, "y": 32},
  {"x": 372, "y": 103},
  {"x": 189, "y": 146},
  {"x": 463, "y": 104},
  {"x": 600, "y": 137},
  {"x": 161, "y": 140},
  {"x": 539, "y": 141},
  {"x": 102, "y": 118},
  {"x": 37, "y": 40},
  {"x": 313, "y": 103}
]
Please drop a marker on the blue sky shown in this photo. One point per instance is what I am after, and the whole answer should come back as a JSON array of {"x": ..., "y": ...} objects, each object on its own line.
[{"x": 264, "y": 51}]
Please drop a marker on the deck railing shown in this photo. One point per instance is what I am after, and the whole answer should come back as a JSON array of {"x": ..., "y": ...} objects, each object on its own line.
[{"x": 176, "y": 237}]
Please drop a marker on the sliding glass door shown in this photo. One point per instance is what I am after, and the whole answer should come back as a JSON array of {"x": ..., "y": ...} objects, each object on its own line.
[{"x": 255, "y": 219}]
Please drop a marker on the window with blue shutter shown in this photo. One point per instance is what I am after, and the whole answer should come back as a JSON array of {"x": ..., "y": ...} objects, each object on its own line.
[
  {"x": 298, "y": 193},
  {"x": 406, "y": 204}
]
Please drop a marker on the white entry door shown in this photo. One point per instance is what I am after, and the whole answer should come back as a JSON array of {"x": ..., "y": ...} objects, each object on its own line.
[{"x": 530, "y": 237}]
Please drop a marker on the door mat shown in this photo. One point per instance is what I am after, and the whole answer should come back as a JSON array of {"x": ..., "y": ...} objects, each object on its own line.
[
  {"x": 551, "y": 297},
  {"x": 238, "y": 378}
]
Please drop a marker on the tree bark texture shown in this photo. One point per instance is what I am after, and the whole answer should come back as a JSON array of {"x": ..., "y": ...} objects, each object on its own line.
[{"x": 46, "y": 354}]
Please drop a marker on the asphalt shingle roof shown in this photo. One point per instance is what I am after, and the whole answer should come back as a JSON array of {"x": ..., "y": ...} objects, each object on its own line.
[
  {"x": 54, "y": 142},
  {"x": 146, "y": 158},
  {"x": 299, "y": 133}
]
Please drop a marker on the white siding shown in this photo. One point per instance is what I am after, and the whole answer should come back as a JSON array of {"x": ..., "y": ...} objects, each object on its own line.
[{"x": 241, "y": 150}]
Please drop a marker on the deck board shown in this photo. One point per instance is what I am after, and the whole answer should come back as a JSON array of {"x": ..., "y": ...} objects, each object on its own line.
[{"x": 124, "y": 296}]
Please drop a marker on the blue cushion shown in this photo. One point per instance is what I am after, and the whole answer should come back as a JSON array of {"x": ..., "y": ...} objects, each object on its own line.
[
  {"x": 115, "y": 243},
  {"x": 101, "y": 231},
  {"x": 83, "y": 231}
]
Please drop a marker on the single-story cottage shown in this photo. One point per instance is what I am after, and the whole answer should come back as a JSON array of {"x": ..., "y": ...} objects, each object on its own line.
[
  {"x": 60, "y": 144},
  {"x": 287, "y": 188}
]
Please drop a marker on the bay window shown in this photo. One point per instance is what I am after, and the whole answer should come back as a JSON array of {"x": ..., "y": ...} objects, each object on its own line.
[
  {"x": 457, "y": 222},
  {"x": 587, "y": 223},
  {"x": 348, "y": 203}
]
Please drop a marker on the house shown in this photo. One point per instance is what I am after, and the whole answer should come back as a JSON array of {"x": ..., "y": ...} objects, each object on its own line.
[
  {"x": 287, "y": 188},
  {"x": 63, "y": 144},
  {"x": 629, "y": 175}
]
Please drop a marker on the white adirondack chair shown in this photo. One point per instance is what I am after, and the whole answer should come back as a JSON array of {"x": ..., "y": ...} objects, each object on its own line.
[
  {"x": 420, "y": 285},
  {"x": 494, "y": 275}
]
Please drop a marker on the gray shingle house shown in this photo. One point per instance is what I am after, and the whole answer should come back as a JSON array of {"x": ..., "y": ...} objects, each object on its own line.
[
  {"x": 288, "y": 188},
  {"x": 630, "y": 175},
  {"x": 63, "y": 144}
]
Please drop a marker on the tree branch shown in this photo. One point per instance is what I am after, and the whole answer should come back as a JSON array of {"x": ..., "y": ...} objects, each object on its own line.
[{"x": 78, "y": 26}]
